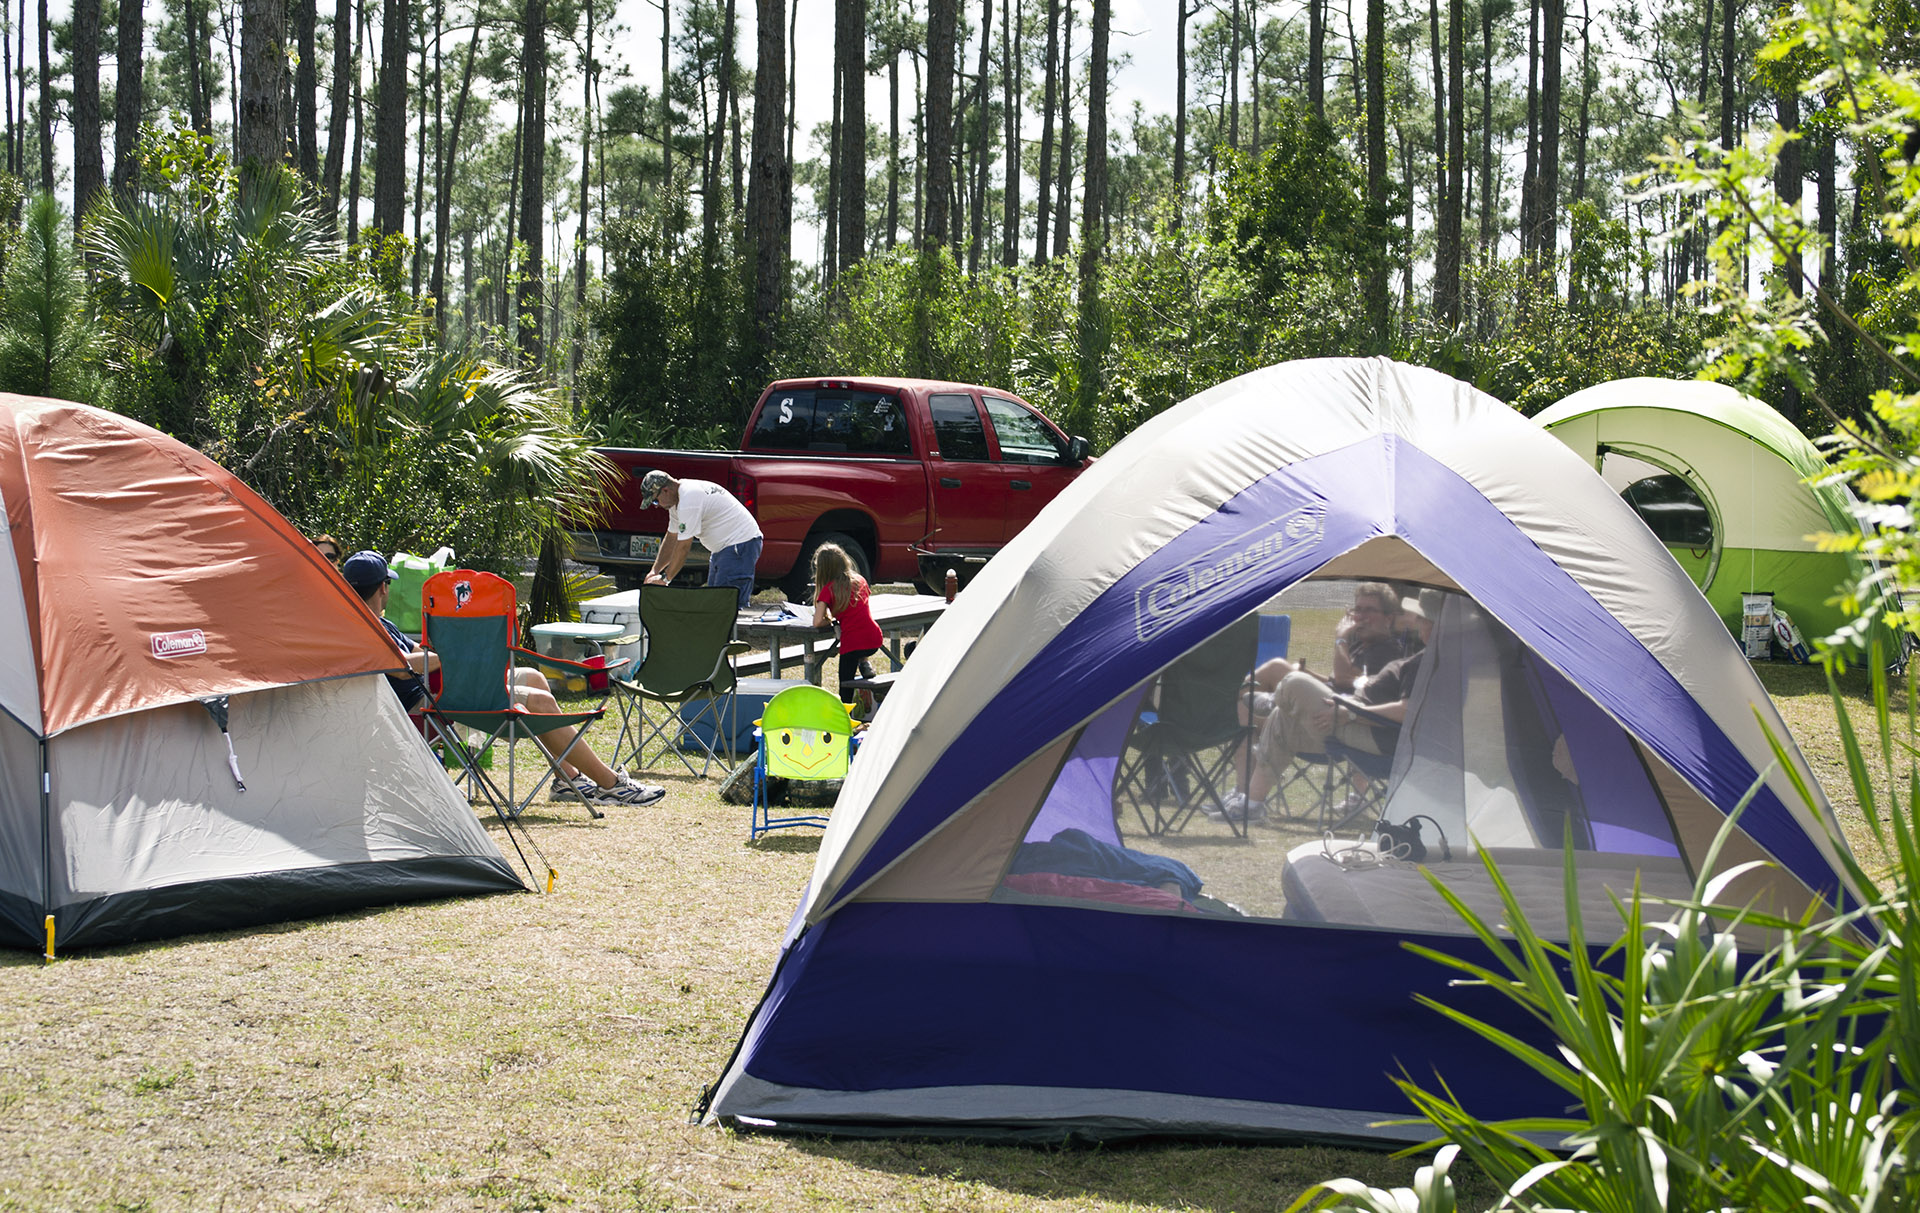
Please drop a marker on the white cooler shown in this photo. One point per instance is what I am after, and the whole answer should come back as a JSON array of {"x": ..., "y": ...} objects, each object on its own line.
[{"x": 624, "y": 609}]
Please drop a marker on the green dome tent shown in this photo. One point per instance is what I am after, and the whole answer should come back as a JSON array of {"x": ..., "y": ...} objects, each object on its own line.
[{"x": 1721, "y": 479}]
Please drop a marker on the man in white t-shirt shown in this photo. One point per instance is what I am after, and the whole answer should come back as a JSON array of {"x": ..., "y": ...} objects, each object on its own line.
[{"x": 701, "y": 509}]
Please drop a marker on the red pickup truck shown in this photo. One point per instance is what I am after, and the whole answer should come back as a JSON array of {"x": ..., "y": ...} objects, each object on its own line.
[{"x": 911, "y": 476}]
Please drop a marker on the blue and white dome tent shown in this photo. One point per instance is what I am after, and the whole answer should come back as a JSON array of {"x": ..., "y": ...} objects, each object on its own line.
[{"x": 949, "y": 973}]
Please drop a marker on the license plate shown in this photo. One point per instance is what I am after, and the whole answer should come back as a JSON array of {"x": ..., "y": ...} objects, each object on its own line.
[{"x": 643, "y": 547}]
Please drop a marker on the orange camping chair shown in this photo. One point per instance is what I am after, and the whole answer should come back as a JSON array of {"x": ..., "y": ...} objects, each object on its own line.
[{"x": 469, "y": 619}]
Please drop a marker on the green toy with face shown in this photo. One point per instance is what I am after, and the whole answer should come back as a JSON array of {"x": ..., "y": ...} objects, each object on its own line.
[{"x": 806, "y": 732}]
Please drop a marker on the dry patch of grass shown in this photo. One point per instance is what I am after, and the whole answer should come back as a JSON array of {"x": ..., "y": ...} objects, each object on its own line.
[{"x": 518, "y": 1053}]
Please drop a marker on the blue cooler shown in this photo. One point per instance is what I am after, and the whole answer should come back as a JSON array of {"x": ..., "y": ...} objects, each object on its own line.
[{"x": 740, "y": 709}]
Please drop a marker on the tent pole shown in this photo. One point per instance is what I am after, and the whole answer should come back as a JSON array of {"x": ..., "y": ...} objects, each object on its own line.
[{"x": 46, "y": 833}]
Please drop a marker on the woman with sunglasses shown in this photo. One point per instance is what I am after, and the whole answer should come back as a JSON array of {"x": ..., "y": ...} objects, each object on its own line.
[{"x": 330, "y": 548}]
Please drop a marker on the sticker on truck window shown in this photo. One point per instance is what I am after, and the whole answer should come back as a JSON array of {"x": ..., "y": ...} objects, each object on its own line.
[{"x": 643, "y": 547}]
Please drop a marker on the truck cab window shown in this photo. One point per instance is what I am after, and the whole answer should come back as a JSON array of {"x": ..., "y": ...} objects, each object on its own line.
[
  {"x": 957, "y": 428},
  {"x": 809, "y": 419},
  {"x": 1024, "y": 437}
]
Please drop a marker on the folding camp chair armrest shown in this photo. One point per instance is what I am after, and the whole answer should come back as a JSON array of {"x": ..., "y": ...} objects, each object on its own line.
[
  {"x": 559, "y": 663},
  {"x": 1365, "y": 714},
  {"x": 728, "y": 651}
]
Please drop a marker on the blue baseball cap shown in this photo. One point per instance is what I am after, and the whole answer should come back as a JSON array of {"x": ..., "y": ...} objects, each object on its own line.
[{"x": 366, "y": 570}]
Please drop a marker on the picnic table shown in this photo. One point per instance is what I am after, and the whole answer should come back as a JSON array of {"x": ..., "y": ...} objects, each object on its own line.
[{"x": 897, "y": 614}]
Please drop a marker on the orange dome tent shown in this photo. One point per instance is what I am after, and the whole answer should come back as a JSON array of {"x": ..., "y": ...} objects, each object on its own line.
[{"x": 149, "y": 603}]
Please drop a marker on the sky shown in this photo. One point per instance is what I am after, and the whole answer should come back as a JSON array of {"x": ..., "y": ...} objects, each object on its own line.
[{"x": 1142, "y": 29}]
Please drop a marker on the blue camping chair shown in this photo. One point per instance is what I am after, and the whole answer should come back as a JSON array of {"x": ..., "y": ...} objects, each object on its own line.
[
  {"x": 1276, "y": 631},
  {"x": 806, "y": 734}
]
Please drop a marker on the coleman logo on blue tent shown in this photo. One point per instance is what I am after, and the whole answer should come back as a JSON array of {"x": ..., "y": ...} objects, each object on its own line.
[{"x": 1250, "y": 556}]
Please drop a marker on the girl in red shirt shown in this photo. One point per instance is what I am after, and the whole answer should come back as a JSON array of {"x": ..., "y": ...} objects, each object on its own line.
[{"x": 843, "y": 594}]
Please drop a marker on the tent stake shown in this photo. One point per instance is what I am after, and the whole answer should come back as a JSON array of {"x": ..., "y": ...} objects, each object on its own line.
[{"x": 49, "y": 956}]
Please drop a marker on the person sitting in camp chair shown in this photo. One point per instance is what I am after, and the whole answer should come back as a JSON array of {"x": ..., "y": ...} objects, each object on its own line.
[
  {"x": 1364, "y": 641},
  {"x": 1367, "y": 638},
  {"x": 1307, "y": 711},
  {"x": 588, "y": 776}
]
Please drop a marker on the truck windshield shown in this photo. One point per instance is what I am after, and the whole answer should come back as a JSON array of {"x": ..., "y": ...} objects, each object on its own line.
[{"x": 831, "y": 419}]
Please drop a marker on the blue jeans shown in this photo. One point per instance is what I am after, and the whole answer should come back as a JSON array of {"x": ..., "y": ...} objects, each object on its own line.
[{"x": 734, "y": 566}]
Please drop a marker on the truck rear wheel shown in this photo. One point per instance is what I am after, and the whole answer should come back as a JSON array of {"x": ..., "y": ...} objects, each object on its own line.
[{"x": 796, "y": 583}]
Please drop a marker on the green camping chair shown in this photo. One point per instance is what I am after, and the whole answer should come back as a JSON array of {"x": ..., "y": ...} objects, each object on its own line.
[
  {"x": 805, "y": 733},
  {"x": 690, "y": 652},
  {"x": 469, "y": 618}
]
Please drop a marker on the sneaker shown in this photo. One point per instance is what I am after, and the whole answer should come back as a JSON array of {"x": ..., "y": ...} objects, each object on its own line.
[
  {"x": 648, "y": 792},
  {"x": 1237, "y": 809},
  {"x": 573, "y": 789},
  {"x": 626, "y": 792}
]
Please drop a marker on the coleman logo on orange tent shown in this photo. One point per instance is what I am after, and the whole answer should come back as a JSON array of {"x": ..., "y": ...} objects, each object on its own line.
[{"x": 189, "y": 643}]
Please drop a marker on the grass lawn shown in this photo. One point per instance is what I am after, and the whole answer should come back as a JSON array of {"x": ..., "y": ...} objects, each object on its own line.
[{"x": 531, "y": 1052}]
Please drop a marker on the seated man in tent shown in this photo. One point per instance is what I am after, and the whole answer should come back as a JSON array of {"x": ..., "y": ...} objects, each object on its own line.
[
  {"x": 588, "y": 776},
  {"x": 1306, "y": 711},
  {"x": 1364, "y": 641},
  {"x": 1367, "y": 638}
]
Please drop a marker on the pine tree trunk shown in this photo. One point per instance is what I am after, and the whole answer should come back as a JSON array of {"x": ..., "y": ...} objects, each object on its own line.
[
  {"x": 850, "y": 53},
  {"x": 89, "y": 170},
  {"x": 262, "y": 137},
  {"x": 342, "y": 97},
  {"x": 1827, "y": 219},
  {"x": 306, "y": 87},
  {"x": 1093, "y": 327},
  {"x": 128, "y": 97},
  {"x": 1530, "y": 169},
  {"x": 443, "y": 186},
  {"x": 893, "y": 147},
  {"x": 1489, "y": 197},
  {"x": 1439, "y": 159},
  {"x": 1789, "y": 185},
  {"x": 1253, "y": 75},
  {"x": 1729, "y": 20},
  {"x": 1043, "y": 204},
  {"x": 359, "y": 124},
  {"x": 1453, "y": 198},
  {"x": 530, "y": 297},
  {"x": 1546, "y": 209},
  {"x": 1316, "y": 55},
  {"x": 1586, "y": 96},
  {"x": 420, "y": 162},
  {"x": 1063, "y": 186},
  {"x": 919, "y": 154},
  {"x": 830, "y": 218},
  {"x": 1011, "y": 21},
  {"x": 200, "y": 64},
  {"x": 976, "y": 240},
  {"x": 939, "y": 118},
  {"x": 390, "y": 121},
  {"x": 1233, "y": 73},
  {"x": 6, "y": 61},
  {"x": 1180, "y": 109},
  {"x": 1376, "y": 83},
  {"x": 587, "y": 73},
  {"x": 667, "y": 206},
  {"x": 46, "y": 103},
  {"x": 766, "y": 227},
  {"x": 738, "y": 175},
  {"x": 722, "y": 105}
]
